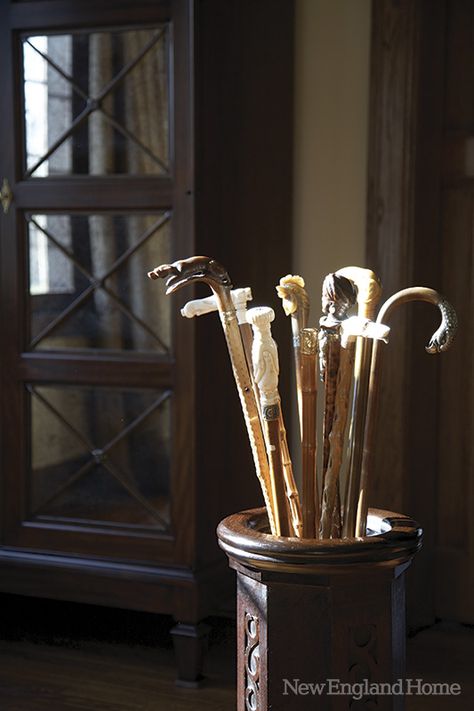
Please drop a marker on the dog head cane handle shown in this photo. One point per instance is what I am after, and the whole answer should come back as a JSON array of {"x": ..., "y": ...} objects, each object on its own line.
[{"x": 194, "y": 269}]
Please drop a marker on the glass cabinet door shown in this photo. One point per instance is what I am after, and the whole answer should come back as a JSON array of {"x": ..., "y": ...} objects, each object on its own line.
[{"x": 98, "y": 184}]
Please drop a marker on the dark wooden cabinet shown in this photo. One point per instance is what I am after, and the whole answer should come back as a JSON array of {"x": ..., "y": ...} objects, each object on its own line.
[{"x": 132, "y": 134}]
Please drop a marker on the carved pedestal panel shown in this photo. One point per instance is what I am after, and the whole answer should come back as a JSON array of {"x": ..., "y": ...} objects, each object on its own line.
[{"x": 317, "y": 616}]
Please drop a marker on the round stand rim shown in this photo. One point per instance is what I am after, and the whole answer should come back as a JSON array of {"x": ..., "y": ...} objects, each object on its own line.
[{"x": 244, "y": 537}]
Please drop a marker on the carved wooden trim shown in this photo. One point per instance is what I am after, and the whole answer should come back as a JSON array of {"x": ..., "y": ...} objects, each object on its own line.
[
  {"x": 252, "y": 663},
  {"x": 363, "y": 659}
]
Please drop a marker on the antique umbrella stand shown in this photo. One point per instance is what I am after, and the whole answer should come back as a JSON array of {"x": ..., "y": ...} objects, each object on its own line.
[
  {"x": 315, "y": 615},
  {"x": 321, "y": 620}
]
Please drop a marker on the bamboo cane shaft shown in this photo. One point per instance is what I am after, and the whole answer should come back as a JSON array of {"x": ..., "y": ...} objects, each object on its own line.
[
  {"x": 250, "y": 408},
  {"x": 266, "y": 372},
  {"x": 290, "y": 484},
  {"x": 272, "y": 436},
  {"x": 291, "y": 488}
]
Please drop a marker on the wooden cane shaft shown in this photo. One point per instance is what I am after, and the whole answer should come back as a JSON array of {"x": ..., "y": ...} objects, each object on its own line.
[
  {"x": 298, "y": 379},
  {"x": 336, "y": 530},
  {"x": 358, "y": 419},
  {"x": 336, "y": 440},
  {"x": 299, "y": 321},
  {"x": 310, "y": 499},
  {"x": 440, "y": 341},
  {"x": 330, "y": 378},
  {"x": 369, "y": 434}
]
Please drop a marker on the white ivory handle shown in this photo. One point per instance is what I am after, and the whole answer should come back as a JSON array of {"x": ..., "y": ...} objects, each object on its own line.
[
  {"x": 264, "y": 355},
  {"x": 360, "y": 326},
  {"x": 199, "y": 307}
]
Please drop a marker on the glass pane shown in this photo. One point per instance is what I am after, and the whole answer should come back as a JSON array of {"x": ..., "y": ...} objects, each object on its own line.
[
  {"x": 100, "y": 454},
  {"x": 88, "y": 285},
  {"x": 97, "y": 103}
]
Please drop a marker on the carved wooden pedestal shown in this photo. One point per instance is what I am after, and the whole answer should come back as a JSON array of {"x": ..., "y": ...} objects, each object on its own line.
[{"x": 313, "y": 611}]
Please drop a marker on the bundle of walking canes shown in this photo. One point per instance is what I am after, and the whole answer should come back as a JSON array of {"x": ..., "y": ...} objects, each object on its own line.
[{"x": 346, "y": 350}]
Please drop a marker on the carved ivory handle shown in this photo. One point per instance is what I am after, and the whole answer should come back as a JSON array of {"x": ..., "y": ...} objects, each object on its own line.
[
  {"x": 266, "y": 371},
  {"x": 264, "y": 355},
  {"x": 199, "y": 307}
]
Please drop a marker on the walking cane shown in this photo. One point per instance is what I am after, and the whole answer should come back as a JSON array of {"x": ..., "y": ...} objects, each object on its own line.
[
  {"x": 309, "y": 391},
  {"x": 240, "y": 297},
  {"x": 213, "y": 274},
  {"x": 266, "y": 371},
  {"x": 368, "y": 295},
  {"x": 439, "y": 342},
  {"x": 295, "y": 304},
  {"x": 305, "y": 344},
  {"x": 350, "y": 329},
  {"x": 338, "y": 296}
]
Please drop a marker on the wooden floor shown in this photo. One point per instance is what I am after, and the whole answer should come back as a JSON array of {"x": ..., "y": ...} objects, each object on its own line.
[{"x": 63, "y": 657}]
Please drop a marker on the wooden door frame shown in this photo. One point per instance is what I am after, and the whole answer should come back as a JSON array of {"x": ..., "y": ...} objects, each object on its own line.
[{"x": 403, "y": 246}]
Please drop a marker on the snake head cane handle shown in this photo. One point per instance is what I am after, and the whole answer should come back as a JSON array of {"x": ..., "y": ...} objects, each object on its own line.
[
  {"x": 443, "y": 337},
  {"x": 199, "y": 268},
  {"x": 369, "y": 289}
]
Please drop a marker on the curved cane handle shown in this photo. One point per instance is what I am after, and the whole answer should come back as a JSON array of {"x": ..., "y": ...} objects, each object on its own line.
[
  {"x": 443, "y": 337},
  {"x": 369, "y": 289}
]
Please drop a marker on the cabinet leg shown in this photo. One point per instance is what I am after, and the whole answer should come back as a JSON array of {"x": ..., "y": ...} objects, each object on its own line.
[{"x": 190, "y": 646}]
